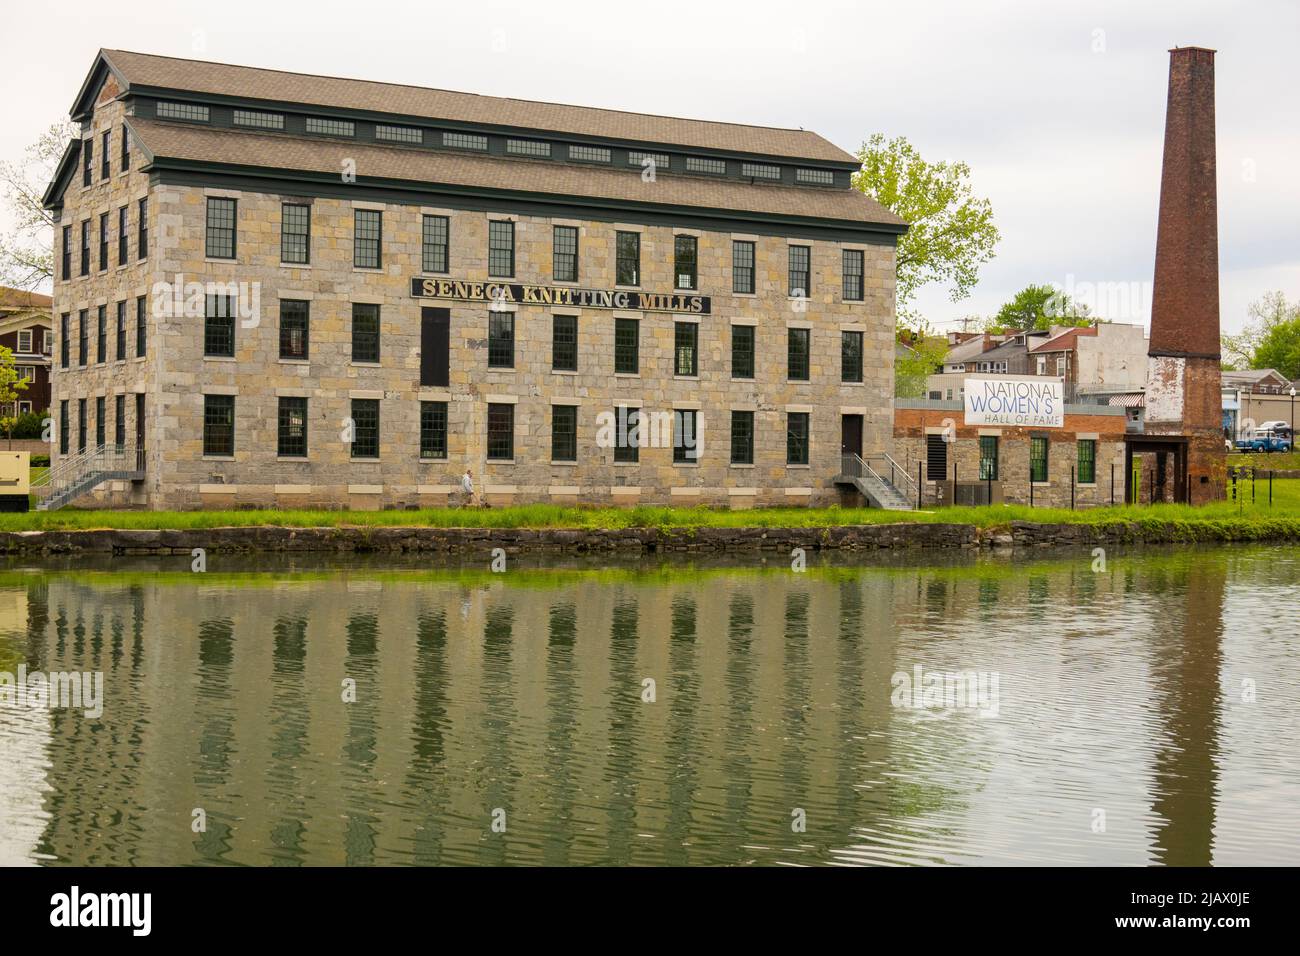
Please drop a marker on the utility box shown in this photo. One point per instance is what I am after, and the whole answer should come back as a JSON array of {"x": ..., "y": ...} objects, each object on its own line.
[{"x": 15, "y": 480}]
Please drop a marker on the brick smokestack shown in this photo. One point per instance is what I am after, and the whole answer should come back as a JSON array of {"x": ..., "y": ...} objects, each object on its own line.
[
  {"x": 1183, "y": 378},
  {"x": 1185, "y": 299}
]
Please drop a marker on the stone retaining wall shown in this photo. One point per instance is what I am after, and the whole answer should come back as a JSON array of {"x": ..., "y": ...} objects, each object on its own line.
[{"x": 623, "y": 541}]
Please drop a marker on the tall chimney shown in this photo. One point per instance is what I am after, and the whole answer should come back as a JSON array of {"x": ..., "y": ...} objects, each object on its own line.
[{"x": 1183, "y": 378}]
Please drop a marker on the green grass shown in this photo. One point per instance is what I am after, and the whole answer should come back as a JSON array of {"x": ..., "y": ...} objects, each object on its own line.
[
  {"x": 1243, "y": 514},
  {"x": 1279, "y": 462}
]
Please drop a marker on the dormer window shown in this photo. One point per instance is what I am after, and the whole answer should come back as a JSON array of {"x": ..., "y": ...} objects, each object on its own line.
[
  {"x": 330, "y": 127},
  {"x": 589, "y": 154},
  {"x": 259, "y": 120},
  {"x": 399, "y": 134},
  {"x": 760, "y": 171},
  {"x": 815, "y": 177},
  {"x": 698, "y": 164},
  {"x": 183, "y": 111},
  {"x": 644, "y": 160},
  {"x": 474, "y": 141},
  {"x": 528, "y": 147}
]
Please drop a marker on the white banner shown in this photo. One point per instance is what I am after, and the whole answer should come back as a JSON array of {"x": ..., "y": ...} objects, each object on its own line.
[{"x": 1024, "y": 401}]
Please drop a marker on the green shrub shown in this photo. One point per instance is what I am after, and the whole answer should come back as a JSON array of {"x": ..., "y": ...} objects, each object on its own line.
[{"x": 30, "y": 425}]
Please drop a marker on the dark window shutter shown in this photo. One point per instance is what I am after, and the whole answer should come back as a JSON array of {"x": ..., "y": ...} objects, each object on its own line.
[{"x": 435, "y": 346}]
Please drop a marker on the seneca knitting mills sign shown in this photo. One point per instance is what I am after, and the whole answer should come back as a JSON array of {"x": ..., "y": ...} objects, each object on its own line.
[{"x": 504, "y": 295}]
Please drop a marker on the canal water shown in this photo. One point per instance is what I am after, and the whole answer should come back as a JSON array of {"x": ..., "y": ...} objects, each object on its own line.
[{"x": 981, "y": 711}]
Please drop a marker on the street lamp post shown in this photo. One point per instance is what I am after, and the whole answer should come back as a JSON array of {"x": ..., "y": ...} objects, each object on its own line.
[{"x": 1292, "y": 422}]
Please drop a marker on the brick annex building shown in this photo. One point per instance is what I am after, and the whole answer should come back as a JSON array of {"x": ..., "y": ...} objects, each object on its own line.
[{"x": 411, "y": 281}]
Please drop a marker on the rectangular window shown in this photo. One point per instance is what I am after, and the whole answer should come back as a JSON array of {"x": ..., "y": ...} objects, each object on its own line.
[
  {"x": 100, "y": 423},
  {"x": 501, "y": 248},
  {"x": 101, "y": 334},
  {"x": 295, "y": 324},
  {"x": 103, "y": 241},
  {"x": 83, "y": 337},
  {"x": 120, "y": 355},
  {"x": 330, "y": 127},
  {"x": 1087, "y": 474},
  {"x": 685, "y": 255},
  {"x": 119, "y": 422},
  {"x": 797, "y": 353},
  {"x": 852, "y": 269},
  {"x": 800, "y": 257},
  {"x": 1037, "y": 459},
  {"x": 655, "y": 161},
  {"x": 365, "y": 428},
  {"x": 435, "y": 346},
  {"x": 67, "y": 253},
  {"x": 183, "y": 111},
  {"x": 433, "y": 429},
  {"x": 141, "y": 327},
  {"x": 433, "y": 248},
  {"x": 220, "y": 242},
  {"x": 85, "y": 247},
  {"x": 627, "y": 447},
  {"x": 219, "y": 326},
  {"x": 465, "y": 141},
  {"x": 698, "y": 164},
  {"x": 564, "y": 343},
  {"x": 105, "y": 164},
  {"x": 589, "y": 154},
  {"x": 686, "y": 433},
  {"x": 850, "y": 356},
  {"x": 365, "y": 332},
  {"x": 627, "y": 258},
  {"x": 142, "y": 230},
  {"x": 686, "y": 348},
  {"x": 64, "y": 344},
  {"x": 742, "y": 438},
  {"x": 564, "y": 433},
  {"x": 81, "y": 425},
  {"x": 25, "y": 342},
  {"x": 367, "y": 245},
  {"x": 219, "y": 425},
  {"x": 295, "y": 233},
  {"x": 742, "y": 351},
  {"x": 988, "y": 457},
  {"x": 796, "y": 438},
  {"x": 501, "y": 340},
  {"x": 292, "y": 436},
  {"x": 399, "y": 134},
  {"x": 64, "y": 427},
  {"x": 742, "y": 267},
  {"x": 565, "y": 254},
  {"x": 816, "y": 177},
  {"x": 87, "y": 162},
  {"x": 527, "y": 147},
  {"x": 259, "y": 120},
  {"x": 760, "y": 171},
  {"x": 501, "y": 432},
  {"x": 126, "y": 148},
  {"x": 627, "y": 342},
  {"x": 121, "y": 236}
]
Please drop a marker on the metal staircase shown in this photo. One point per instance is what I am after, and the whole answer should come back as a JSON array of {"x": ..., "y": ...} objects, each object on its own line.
[
  {"x": 71, "y": 477},
  {"x": 897, "y": 492}
]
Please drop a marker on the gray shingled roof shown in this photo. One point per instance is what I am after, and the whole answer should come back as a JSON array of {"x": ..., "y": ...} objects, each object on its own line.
[
  {"x": 221, "y": 79},
  {"x": 199, "y": 144}
]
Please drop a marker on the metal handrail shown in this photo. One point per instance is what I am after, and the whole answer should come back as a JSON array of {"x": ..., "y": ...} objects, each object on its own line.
[
  {"x": 895, "y": 470},
  {"x": 106, "y": 457}
]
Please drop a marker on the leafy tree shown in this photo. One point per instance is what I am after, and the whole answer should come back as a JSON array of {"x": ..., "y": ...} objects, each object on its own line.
[
  {"x": 951, "y": 230},
  {"x": 1037, "y": 308},
  {"x": 27, "y": 251},
  {"x": 11, "y": 386},
  {"x": 1270, "y": 338},
  {"x": 921, "y": 355}
]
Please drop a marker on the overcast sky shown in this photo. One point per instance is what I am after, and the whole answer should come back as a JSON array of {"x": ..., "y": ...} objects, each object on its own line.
[{"x": 1057, "y": 107}]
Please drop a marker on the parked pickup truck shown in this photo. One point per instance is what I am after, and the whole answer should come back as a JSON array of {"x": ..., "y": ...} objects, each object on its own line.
[{"x": 1264, "y": 441}]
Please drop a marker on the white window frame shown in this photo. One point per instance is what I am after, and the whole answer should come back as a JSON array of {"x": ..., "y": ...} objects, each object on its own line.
[{"x": 28, "y": 349}]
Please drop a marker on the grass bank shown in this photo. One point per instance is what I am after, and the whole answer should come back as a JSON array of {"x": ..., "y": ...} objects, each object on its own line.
[{"x": 1284, "y": 513}]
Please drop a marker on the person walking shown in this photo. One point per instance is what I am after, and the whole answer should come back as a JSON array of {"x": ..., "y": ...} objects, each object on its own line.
[{"x": 467, "y": 487}]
